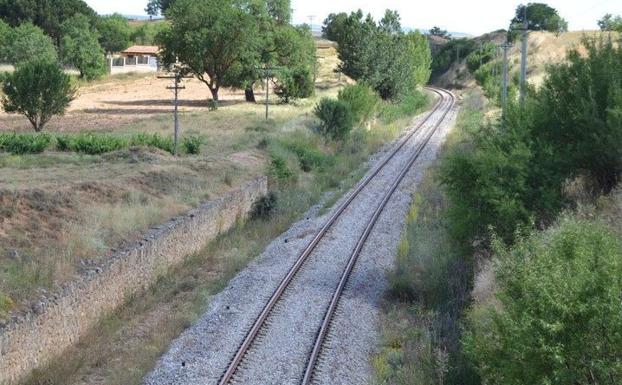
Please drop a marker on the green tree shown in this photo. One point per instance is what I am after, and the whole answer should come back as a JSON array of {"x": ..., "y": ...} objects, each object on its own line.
[
  {"x": 295, "y": 53},
  {"x": 558, "y": 317},
  {"x": 334, "y": 24},
  {"x": 146, "y": 33},
  {"x": 437, "y": 31},
  {"x": 610, "y": 23},
  {"x": 336, "y": 118},
  {"x": 26, "y": 42},
  {"x": 38, "y": 89},
  {"x": 210, "y": 38},
  {"x": 81, "y": 47},
  {"x": 155, "y": 7},
  {"x": 114, "y": 33},
  {"x": 46, "y": 14},
  {"x": 540, "y": 17},
  {"x": 5, "y": 39}
]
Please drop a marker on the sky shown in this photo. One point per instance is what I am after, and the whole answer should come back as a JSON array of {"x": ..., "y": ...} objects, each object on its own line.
[{"x": 474, "y": 16}]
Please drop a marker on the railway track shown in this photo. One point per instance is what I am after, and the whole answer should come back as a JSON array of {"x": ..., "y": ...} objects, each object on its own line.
[{"x": 241, "y": 362}]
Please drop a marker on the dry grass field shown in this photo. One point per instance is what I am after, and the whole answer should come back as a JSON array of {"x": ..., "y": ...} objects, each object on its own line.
[{"x": 57, "y": 208}]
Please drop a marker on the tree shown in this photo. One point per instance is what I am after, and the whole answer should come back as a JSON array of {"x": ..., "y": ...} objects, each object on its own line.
[
  {"x": 38, "y": 89},
  {"x": 209, "y": 38},
  {"x": 146, "y": 33},
  {"x": 81, "y": 47},
  {"x": 5, "y": 39},
  {"x": 557, "y": 320},
  {"x": 437, "y": 31},
  {"x": 540, "y": 17},
  {"x": 26, "y": 42},
  {"x": 155, "y": 7},
  {"x": 46, "y": 14},
  {"x": 295, "y": 53},
  {"x": 114, "y": 33},
  {"x": 381, "y": 54},
  {"x": 333, "y": 28},
  {"x": 610, "y": 23}
]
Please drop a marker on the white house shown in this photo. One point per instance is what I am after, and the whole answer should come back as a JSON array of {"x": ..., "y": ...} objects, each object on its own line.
[{"x": 137, "y": 58}]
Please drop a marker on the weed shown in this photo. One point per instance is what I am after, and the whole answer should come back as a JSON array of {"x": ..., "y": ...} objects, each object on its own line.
[
  {"x": 264, "y": 207},
  {"x": 192, "y": 144}
]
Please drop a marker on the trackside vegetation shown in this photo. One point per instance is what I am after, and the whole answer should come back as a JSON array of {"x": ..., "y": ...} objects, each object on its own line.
[{"x": 530, "y": 202}]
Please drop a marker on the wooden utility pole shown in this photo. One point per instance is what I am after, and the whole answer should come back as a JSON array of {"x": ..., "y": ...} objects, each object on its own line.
[
  {"x": 523, "y": 58},
  {"x": 268, "y": 73},
  {"x": 176, "y": 87}
]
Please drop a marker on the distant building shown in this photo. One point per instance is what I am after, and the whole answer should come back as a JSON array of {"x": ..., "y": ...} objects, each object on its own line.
[{"x": 137, "y": 58}]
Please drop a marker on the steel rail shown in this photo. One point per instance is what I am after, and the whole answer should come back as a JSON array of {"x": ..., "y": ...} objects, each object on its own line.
[
  {"x": 259, "y": 322},
  {"x": 330, "y": 312}
]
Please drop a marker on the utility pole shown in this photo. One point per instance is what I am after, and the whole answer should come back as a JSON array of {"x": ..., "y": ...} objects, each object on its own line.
[
  {"x": 504, "y": 77},
  {"x": 523, "y": 59},
  {"x": 268, "y": 73},
  {"x": 176, "y": 87}
]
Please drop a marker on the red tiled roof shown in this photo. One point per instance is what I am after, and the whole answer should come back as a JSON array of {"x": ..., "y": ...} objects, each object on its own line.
[{"x": 142, "y": 50}]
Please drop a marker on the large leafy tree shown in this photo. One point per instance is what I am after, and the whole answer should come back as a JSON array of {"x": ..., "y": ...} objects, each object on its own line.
[
  {"x": 114, "y": 33},
  {"x": 540, "y": 17},
  {"x": 38, "y": 89},
  {"x": 437, "y": 31},
  {"x": 80, "y": 47},
  {"x": 46, "y": 14},
  {"x": 333, "y": 27},
  {"x": 381, "y": 54},
  {"x": 26, "y": 42},
  {"x": 209, "y": 38}
]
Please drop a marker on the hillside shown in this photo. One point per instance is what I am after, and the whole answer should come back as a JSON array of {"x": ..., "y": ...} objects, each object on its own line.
[{"x": 544, "y": 48}]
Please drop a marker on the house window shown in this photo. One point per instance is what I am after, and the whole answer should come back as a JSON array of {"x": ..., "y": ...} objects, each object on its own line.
[
  {"x": 143, "y": 59},
  {"x": 118, "y": 62},
  {"x": 130, "y": 60}
]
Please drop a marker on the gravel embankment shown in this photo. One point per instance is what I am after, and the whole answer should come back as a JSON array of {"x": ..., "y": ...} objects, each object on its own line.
[{"x": 201, "y": 354}]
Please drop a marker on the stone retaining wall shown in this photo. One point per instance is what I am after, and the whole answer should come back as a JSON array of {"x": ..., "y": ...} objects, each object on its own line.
[{"x": 59, "y": 319}]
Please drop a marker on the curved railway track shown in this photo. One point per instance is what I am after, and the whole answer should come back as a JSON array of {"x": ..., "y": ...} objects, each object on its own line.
[{"x": 441, "y": 109}]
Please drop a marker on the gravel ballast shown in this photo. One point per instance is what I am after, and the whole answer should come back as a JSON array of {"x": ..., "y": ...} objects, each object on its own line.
[{"x": 201, "y": 354}]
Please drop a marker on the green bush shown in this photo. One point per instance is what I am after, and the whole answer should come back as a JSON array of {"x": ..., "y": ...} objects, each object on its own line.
[
  {"x": 153, "y": 140},
  {"x": 336, "y": 118},
  {"x": 94, "y": 144},
  {"x": 362, "y": 99},
  {"x": 559, "y": 319},
  {"x": 192, "y": 144},
  {"x": 481, "y": 56},
  {"x": 24, "y": 143},
  {"x": 310, "y": 158},
  {"x": 294, "y": 83},
  {"x": 279, "y": 169},
  {"x": 264, "y": 207}
]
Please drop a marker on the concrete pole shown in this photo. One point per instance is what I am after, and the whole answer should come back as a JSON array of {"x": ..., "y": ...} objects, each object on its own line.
[
  {"x": 176, "y": 119},
  {"x": 504, "y": 77},
  {"x": 523, "y": 59},
  {"x": 267, "y": 93}
]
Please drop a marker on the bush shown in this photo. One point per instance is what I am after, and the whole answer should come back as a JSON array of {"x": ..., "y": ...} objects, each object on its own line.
[
  {"x": 309, "y": 157},
  {"x": 192, "y": 144},
  {"x": 362, "y": 99},
  {"x": 39, "y": 90},
  {"x": 481, "y": 56},
  {"x": 279, "y": 169},
  {"x": 336, "y": 118},
  {"x": 154, "y": 140},
  {"x": 93, "y": 144},
  {"x": 296, "y": 83},
  {"x": 264, "y": 206},
  {"x": 24, "y": 143},
  {"x": 558, "y": 320}
]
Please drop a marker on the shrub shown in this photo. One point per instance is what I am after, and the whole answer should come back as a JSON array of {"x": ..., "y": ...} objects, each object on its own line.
[
  {"x": 295, "y": 84},
  {"x": 279, "y": 169},
  {"x": 484, "y": 55},
  {"x": 336, "y": 118},
  {"x": 153, "y": 140},
  {"x": 39, "y": 90},
  {"x": 93, "y": 144},
  {"x": 362, "y": 99},
  {"x": 559, "y": 318},
  {"x": 264, "y": 206},
  {"x": 192, "y": 144},
  {"x": 309, "y": 157},
  {"x": 24, "y": 143},
  {"x": 63, "y": 143}
]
